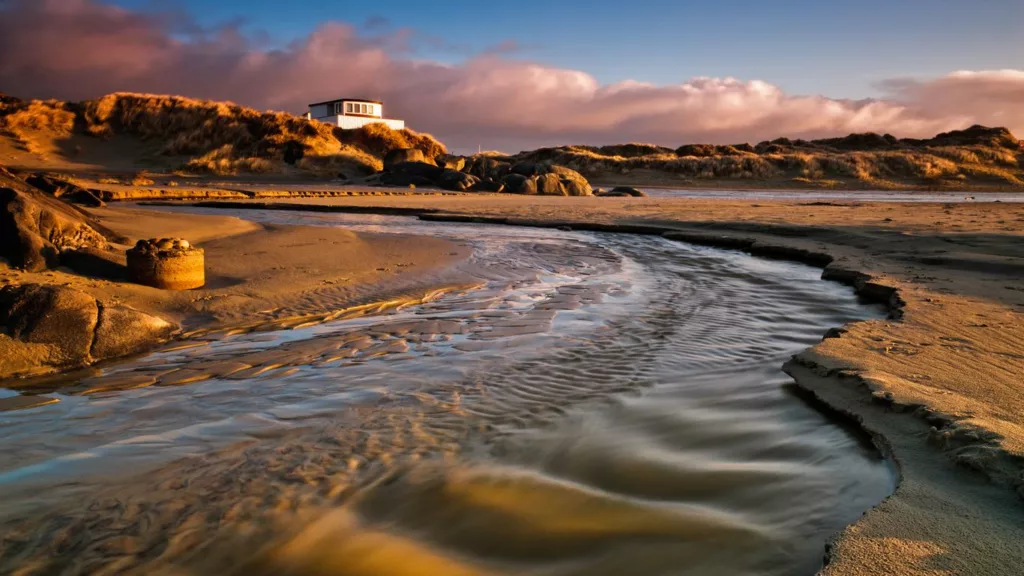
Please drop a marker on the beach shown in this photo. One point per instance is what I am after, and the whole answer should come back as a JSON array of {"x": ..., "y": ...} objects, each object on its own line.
[
  {"x": 938, "y": 382},
  {"x": 935, "y": 383}
]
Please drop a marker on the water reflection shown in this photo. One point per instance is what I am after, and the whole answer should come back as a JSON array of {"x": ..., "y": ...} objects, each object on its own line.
[{"x": 602, "y": 404}]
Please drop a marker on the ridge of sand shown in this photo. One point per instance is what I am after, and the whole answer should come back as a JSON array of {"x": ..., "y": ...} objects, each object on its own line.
[{"x": 938, "y": 383}]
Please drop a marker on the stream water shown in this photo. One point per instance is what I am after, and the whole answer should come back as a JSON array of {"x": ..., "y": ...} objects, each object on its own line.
[{"x": 601, "y": 404}]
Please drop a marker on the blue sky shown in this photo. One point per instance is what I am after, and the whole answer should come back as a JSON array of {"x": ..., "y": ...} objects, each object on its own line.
[{"x": 836, "y": 48}]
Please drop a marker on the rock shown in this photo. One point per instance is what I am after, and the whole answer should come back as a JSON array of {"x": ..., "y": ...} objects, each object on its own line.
[
  {"x": 573, "y": 182},
  {"x": 576, "y": 188},
  {"x": 530, "y": 168},
  {"x": 450, "y": 162},
  {"x": 121, "y": 331},
  {"x": 400, "y": 155},
  {"x": 61, "y": 317},
  {"x": 54, "y": 327},
  {"x": 550, "y": 185},
  {"x": 487, "y": 186},
  {"x": 65, "y": 190},
  {"x": 519, "y": 184},
  {"x": 487, "y": 168},
  {"x": 417, "y": 169},
  {"x": 621, "y": 191},
  {"x": 35, "y": 227},
  {"x": 456, "y": 181}
]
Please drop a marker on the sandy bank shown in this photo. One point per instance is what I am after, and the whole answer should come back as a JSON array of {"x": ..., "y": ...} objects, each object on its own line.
[
  {"x": 939, "y": 382},
  {"x": 257, "y": 274}
]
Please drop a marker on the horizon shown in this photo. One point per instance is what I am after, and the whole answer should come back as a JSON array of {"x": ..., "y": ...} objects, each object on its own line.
[{"x": 475, "y": 80}]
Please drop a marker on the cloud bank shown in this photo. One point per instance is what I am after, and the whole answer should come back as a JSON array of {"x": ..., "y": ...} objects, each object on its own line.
[{"x": 75, "y": 49}]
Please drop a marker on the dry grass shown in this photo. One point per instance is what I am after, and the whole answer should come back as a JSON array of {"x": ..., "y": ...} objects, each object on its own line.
[
  {"x": 30, "y": 122},
  {"x": 976, "y": 156},
  {"x": 218, "y": 137}
]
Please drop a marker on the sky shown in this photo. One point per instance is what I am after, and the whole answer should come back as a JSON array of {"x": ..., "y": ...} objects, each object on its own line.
[{"x": 531, "y": 73}]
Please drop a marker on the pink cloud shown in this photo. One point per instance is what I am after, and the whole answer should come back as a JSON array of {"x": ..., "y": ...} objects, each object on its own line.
[{"x": 77, "y": 49}]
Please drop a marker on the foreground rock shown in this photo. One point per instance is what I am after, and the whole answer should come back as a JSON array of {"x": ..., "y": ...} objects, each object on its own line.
[
  {"x": 50, "y": 328},
  {"x": 35, "y": 227}
]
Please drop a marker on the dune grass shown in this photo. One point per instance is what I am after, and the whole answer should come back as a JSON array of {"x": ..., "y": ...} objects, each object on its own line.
[
  {"x": 977, "y": 156},
  {"x": 216, "y": 137}
]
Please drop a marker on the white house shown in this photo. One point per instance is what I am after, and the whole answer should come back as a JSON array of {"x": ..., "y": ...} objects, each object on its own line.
[{"x": 351, "y": 113}]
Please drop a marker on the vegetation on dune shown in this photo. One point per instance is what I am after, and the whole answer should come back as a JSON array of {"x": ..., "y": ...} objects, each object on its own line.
[
  {"x": 215, "y": 137},
  {"x": 224, "y": 138},
  {"x": 975, "y": 156}
]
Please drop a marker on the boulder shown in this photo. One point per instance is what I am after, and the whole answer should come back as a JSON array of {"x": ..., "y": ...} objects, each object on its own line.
[
  {"x": 550, "y": 185},
  {"x": 620, "y": 191},
  {"x": 487, "y": 168},
  {"x": 121, "y": 331},
  {"x": 488, "y": 186},
  {"x": 400, "y": 155},
  {"x": 450, "y": 162},
  {"x": 456, "y": 181},
  {"x": 60, "y": 317},
  {"x": 519, "y": 184},
  {"x": 35, "y": 227},
  {"x": 530, "y": 168},
  {"x": 573, "y": 182},
  {"x": 48, "y": 328}
]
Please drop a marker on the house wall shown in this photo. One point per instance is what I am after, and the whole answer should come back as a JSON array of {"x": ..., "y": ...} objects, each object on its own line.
[
  {"x": 321, "y": 111},
  {"x": 350, "y": 122}
]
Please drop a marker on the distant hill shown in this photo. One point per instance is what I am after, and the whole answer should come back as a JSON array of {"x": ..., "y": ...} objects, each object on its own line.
[
  {"x": 978, "y": 157},
  {"x": 125, "y": 131}
]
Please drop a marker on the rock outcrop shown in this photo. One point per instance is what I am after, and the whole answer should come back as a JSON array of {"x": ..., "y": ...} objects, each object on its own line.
[
  {"x": 49, "y": 328},
  {"x": 35, "y": 226},
  {"x": 483, "y": 174},
  {"x": 65, "y": 190}
]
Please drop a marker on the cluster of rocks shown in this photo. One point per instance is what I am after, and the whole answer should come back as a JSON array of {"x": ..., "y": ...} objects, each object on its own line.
[
  {"x": 168, "y": 263},
  {"x": 162, "y": 245},
  {"x": 409, "y": 167},
  {"x": 48, "y": 328}
]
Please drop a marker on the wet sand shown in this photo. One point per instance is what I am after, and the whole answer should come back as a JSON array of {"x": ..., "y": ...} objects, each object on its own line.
[
  {"x": 940, "y": 381},
  {"x": 604, "y": 404}
]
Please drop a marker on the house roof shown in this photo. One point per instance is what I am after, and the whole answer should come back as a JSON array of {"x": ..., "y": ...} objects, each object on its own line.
[{"x": 364, "y": 100}]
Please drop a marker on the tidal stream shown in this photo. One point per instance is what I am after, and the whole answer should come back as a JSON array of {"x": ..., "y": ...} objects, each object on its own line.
[{"x": 600, "y": 404}]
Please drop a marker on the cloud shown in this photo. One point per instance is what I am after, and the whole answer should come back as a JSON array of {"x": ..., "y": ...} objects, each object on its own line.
[{"x": 77, "y": 49}]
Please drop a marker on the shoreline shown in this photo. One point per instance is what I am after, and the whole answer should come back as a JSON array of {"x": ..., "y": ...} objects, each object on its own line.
[
  {"x": 957, "y": 470},
  {"x": 256, "y": 275},
  {"x": 942, "y": 456}
]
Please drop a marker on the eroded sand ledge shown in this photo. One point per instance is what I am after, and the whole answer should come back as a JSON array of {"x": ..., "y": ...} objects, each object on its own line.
[
  {"x": 256, "y": 276},
  {"x": 937, "y": 384}
]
